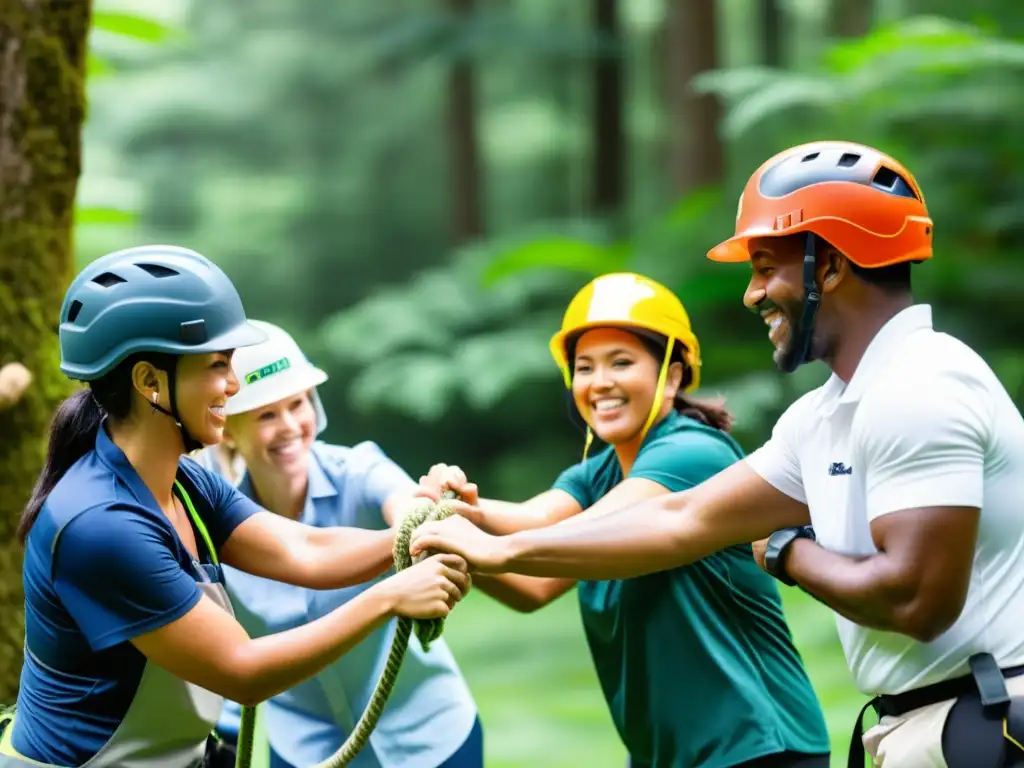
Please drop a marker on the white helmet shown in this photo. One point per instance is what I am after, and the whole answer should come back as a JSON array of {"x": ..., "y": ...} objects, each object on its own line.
[{"x": 273, "y": 370}]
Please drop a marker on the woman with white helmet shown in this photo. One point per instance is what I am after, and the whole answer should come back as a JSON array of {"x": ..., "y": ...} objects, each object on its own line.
[
  {"x": 131, "y": 645},
  {"x": 273, "y": 454}
]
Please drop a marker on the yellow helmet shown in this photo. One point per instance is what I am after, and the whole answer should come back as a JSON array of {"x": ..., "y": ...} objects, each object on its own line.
[
  {"x": 630, "y": 301},
  {"x": 627, "y": 300}
]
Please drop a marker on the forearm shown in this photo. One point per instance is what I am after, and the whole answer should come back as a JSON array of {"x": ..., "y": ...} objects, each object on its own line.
[
  {"x": 505, "y": 517},
  {"x": 274, "y": 663},
  {"x": 341, "y": 557},
  {"x": 524, "y": 594},
  {"x": 654, "y": 535},
  {"x": 868, "y": 591}
]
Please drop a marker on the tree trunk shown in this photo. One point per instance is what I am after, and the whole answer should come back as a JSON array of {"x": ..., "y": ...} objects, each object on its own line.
[
  {"x": 42, "y": 109},
  {"x": 771, "y": 33},
  {"x": 697, "y": 154},
  {"x": 608, "y": 139},
  {"x": 463, "y": 144},
  {"x": 851, "y": 18}
]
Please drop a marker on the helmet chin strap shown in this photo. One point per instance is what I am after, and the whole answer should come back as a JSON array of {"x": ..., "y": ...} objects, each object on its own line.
[
  {"x": 800, "y": 348},
  {"x": 189, "y": 442}
]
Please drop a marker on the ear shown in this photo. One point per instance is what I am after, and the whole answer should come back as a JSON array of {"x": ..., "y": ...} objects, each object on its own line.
[
  {"x": 150, "y": 382},
  {"x": 832, "y": 269},
  {"x": 673, "y": 380}
]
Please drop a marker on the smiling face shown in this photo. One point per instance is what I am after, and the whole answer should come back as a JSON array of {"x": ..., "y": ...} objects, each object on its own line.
[
  {"x": 615, "y": 379},
  {"x": 776, "y": 292},
  {"x": 202, "y": 388},
  {"x": 276, "y": 438}
]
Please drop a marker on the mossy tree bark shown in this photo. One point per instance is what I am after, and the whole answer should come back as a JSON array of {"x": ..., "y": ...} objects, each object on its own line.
[{"x": 42, "y": 109}]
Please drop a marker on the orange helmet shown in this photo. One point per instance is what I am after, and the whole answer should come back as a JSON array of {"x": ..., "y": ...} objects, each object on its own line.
[{"x": 860, "y": 200}]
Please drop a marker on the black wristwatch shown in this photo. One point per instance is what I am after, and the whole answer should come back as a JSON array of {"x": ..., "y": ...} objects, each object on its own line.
[{"x": 775, "y": 551}]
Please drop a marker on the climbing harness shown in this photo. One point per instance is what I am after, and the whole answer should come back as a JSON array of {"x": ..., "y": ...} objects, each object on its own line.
[{"x": 427, "y": 631}]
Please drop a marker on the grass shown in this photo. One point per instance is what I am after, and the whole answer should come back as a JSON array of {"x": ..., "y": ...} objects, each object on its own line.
[
  {"x": 538, "y": 696},
  {"x": 539, "y": 699}
]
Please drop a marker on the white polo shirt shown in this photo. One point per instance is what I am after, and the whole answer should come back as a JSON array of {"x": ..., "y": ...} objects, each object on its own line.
[{"x": 924, "y": 422}]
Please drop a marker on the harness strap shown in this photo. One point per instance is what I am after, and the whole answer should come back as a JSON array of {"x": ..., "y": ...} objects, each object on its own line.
[
  {"x": 197, "y": 521},
  {"x": 986, "y": 683}
]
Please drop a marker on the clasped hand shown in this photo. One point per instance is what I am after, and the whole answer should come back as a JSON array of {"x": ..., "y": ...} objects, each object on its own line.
[{"x": 458, "y": 534}]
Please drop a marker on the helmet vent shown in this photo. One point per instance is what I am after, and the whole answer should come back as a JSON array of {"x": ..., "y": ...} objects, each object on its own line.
[
  {"x": 889, "y": 181},
  {"x": 76, "y": 307},
  {"x": 157, "y": 270},
  {"x": 108, "y": 279},
  {"x": 848, "y": 160},
  {"x": 808, "y": 158}
]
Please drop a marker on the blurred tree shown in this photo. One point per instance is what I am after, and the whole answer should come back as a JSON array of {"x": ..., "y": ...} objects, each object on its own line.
[
  {"x": 698, "y": 156},
  {"x": 43, "y": 49},
  {"x": 851, "y": 18},
  {"x": 608, "y": 142},
  {"x": 772, "y": 25},
  {"x": 467, "y": 204}
]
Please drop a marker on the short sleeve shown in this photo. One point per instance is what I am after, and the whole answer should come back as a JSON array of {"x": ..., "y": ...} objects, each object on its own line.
[
  {"x": 925, "y": 448},
  {"x": 578, "y": 483},
  {"x": 116, "y": 573},
  {"x": 681, "y": 460},
  {"x": 381, "y": 476},
  {"x": 778, "y": 460},
  {"x": 229, "y": 505}
]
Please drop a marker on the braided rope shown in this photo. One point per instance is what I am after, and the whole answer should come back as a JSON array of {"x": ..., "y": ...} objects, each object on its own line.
[{"x": 427, "y": 631}]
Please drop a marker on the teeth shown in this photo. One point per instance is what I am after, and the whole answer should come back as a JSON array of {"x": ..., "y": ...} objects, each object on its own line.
[
  {"x": 217, "y": 409},
  {"x": 607, "y": 405},
  {"x": 776, "y": 321}
]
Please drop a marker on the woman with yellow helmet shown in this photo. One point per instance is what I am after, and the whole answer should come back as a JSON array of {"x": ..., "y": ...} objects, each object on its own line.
[{"x": 697, "y": 664}]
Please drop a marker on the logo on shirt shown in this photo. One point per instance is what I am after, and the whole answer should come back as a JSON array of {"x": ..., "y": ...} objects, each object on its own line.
[{"x": 838, "y": 468}]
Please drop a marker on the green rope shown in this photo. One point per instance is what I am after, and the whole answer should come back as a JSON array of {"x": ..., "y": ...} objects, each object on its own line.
[
  {"x": 246, "y": 734},
  {"x": 427, "y": 631}
]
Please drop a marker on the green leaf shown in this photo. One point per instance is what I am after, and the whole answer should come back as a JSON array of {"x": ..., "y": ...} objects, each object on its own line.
[
  {"x": 132, "y": 26},
  {"x": 104, "y": 216},
  {"x": 97, "y": 66},
  {"x": 562, "y": 253}
]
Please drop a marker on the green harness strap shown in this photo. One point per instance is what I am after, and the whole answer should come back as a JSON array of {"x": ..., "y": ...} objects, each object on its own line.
[{"x": 247, "y": 726}]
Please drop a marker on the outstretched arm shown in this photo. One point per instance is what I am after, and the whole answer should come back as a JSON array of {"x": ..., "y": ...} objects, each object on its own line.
[
  {"x": 733, "y": 507},
  {"x": 277, "y": 548}
]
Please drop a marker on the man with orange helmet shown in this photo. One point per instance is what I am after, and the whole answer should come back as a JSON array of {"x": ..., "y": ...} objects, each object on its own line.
[{"x": 908, "y": 463}]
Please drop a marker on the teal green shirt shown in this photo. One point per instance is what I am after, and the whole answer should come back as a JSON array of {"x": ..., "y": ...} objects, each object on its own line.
[{"x": 697, "y": 664}]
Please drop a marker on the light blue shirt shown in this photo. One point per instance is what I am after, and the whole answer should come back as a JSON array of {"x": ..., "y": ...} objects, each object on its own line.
[{"x": 430, "y": 712}]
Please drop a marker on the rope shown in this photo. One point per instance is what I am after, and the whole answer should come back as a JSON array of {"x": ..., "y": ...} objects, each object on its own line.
[{"x": 427, "y": 631}]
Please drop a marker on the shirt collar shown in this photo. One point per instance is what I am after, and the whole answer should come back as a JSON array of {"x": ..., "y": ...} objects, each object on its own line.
[{"x": 885, "y": 343}]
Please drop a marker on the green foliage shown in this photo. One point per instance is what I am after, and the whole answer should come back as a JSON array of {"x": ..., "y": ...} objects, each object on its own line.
[{"x": 441, "y": 340}]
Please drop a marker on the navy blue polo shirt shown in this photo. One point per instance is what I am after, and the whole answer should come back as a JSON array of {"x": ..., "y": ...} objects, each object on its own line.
[{"x": 103, "y": 564}]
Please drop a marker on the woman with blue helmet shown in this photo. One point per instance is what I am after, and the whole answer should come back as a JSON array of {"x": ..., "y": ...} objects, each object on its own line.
[
  {"x": 272, "y": 452},
  {"x": 130, "y": 642}
]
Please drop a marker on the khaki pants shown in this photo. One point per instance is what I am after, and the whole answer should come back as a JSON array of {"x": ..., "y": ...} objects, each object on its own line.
[{"x": 914, "y": 739}]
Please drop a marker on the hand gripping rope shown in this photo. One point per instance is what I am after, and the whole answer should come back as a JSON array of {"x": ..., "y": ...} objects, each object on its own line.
[{"x": 427, "y": 630}]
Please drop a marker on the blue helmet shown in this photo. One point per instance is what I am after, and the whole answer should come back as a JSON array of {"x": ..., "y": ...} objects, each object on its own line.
[{"x": 153, "y": 298}]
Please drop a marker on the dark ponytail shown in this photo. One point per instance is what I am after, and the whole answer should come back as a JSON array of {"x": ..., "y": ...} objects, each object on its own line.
[
  {"x": 74, "y": 427},
  {"x": 712, "y": 413},
  {"x": 72, "y": 435}
]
